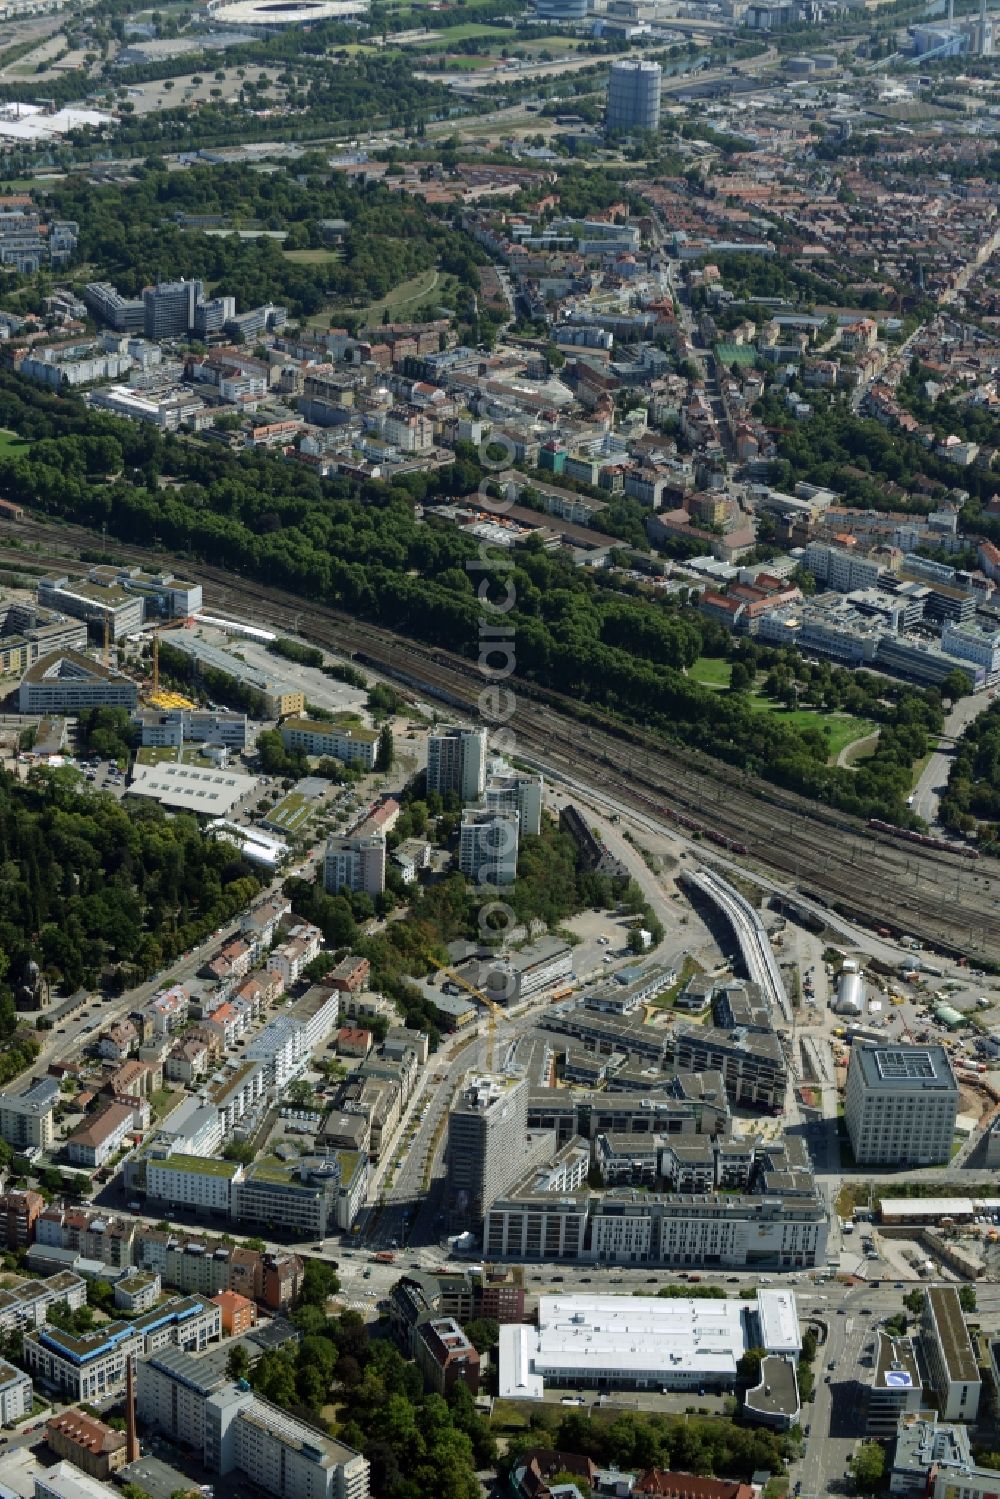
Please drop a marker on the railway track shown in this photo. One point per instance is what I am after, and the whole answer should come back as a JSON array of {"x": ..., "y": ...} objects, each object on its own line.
[{"x": 930, "y": 893}]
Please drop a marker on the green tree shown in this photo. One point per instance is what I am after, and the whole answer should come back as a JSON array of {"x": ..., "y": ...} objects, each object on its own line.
[
  {"x": 748, "y": 1365},
  {"x": 319, "y": 1283},
  {"x": 868, "y": 1466},
  {"x": 386, "y": 752},
  {"x": 967, "y": 1298},
  {"x": 483, "y": 1332},
  {"x": 238, "y": 1362}
]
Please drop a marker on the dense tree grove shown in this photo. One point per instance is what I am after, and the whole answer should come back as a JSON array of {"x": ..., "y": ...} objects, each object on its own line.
[
  {"x": 89, "y": 885},
  {"x": 971, "y": 802},
  {"x": 686, "y": 1444},
  {"x": 873, "y": 467},
  {"x": 417, "y": 1444},
  {"x": 131, "y": 232}
]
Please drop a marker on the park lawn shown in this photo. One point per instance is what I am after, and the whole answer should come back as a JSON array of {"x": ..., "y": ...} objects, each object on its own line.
[
  {"x": 448, "y": 34},
  {"x": 840, "y": 728},
  {"x": 11, "y": 445},
  {"x": 457, "y": 64},
  {"x": 312, "y": 257},
  {"x": 395, "y": 303},
  {"x": 711, "y": 671}
]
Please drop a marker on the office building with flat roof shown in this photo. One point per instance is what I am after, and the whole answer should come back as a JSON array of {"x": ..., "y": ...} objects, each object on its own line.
[
  {"x": 95, "y": 600},
  {"x": 169, "y": 308},
  {"x": 641, "y": 1343},
  {"x": 895, "y": 1390},
  {"x": 900, "y": 1105},
  {"x": 952, "y": 1366},
  {"x": 66, "y": 682},
  {"x": 487, "y": 1135}
]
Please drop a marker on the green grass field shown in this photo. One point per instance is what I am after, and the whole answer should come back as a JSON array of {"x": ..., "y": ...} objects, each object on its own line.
[
  {"x": 311, "y": 257},
  {"x": 451, "y": 34},
  {"x": 735, "y": 353},
  {"x": 840, "y": 729},
  {"x": 398, "y": 303},
  {"x": 11, "y": 445}
]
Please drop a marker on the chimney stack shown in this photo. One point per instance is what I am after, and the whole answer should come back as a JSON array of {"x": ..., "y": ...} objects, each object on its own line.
[{"x": 132, "y": 1453}]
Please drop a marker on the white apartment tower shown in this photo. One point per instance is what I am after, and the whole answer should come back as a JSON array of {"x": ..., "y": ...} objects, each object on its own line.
[
  {"x": 487, "y": 848},
  {"x": 517, "y": 791},
  {"x": 358, "y": 863},
  {"x": 456, "y": 761}
]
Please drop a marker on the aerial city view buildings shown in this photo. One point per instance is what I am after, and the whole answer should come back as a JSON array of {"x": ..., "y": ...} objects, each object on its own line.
[{"x": 499, "y": 752}]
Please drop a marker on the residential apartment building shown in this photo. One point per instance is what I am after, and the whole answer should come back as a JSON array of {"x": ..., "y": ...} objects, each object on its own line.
[
  {"x": 281, "y": 1050},
  {"x": 236, "y": 1432},
  {"x": 96, "y": 1140},
  {"x": 753, "y": 1065},
  {"x": 16, "y": 1394},
  {"x": 952, "y": 1366},
  {"x": 840, "y": 568},
  {"x": 19, "y": 1212},
  {"x": 355, "y": 745},
  {"x": 27, "y": 1304},
  {"x": 456, "y": 761},
  {"x": 26, "y": 1119},
  {"x": 356, "y": 861},
  {"x": 520, "y": 792},
  {"x": 488, "y": 846},
  {"x": 239, "y": 1315},
  {"x": 197, "y": 1182},
  {"x": 93, "y": 1366},
  {"x": 444, "y": 1355},
  {"x": 901, "y": 1104},
  {"x": 87, "y": 1443},
  {"x": 317, "y": 1013}
]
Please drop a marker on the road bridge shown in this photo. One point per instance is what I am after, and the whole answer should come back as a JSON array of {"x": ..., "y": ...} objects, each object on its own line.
[{"x": 748, "y": 929}]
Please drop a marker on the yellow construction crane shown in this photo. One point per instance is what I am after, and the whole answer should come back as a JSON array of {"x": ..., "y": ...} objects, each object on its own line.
[{"x": 489, "y": 1005}]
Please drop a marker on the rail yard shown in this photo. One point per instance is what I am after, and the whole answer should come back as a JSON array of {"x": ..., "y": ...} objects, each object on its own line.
[{"x": 931, "y": 892}]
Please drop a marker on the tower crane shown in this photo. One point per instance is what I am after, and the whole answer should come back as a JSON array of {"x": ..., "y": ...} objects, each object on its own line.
[{"x": 493, "y": 1010}]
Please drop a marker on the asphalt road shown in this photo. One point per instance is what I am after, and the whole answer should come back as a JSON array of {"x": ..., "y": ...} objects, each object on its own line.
[{"x": 934, "y": 777}]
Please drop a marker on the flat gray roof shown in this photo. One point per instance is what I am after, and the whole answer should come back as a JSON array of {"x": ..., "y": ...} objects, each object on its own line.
[{"x": 902, "y": 1068}]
